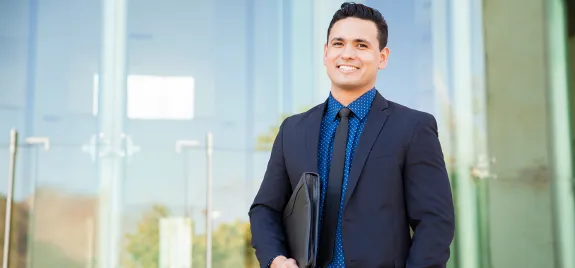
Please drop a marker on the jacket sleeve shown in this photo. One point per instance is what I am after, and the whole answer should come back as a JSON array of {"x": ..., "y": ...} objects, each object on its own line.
[
  {"x": 428, "y": 197},
  {"x": 268, "y": 238}
]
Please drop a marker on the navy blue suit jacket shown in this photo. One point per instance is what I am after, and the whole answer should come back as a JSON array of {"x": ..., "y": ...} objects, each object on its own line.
[{"x": 397, "y": 180}]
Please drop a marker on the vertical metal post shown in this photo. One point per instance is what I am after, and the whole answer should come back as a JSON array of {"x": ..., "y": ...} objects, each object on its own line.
[
  {"x": 9, "y": 199},
  {"x": 560, "y": 141},
  {"x": 180, "y": 145},
  {"x": 209, "y": 154},
  {"x": 483, "y": 161},
  {"x": 465, "y": 151},
  {"x": 440, "y": 39},
  {"x": 112, "y": 143},
  {"x": 250, "y": 99}
]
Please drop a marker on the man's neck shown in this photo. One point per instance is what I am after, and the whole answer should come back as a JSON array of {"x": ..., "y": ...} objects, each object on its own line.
[{"x": 345, "y": 97}]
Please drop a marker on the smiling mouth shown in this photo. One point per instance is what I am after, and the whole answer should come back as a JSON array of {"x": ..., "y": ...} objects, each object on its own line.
[{"x": 347, "y": 68}]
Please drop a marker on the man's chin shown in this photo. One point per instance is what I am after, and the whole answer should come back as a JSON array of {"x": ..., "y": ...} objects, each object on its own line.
[{"x": 348, "y": 85}]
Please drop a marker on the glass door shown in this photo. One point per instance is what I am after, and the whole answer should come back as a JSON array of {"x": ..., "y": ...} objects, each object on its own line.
[
  {"x": 200, "y": 90},
  {"x": 174, "y": 124},
  {"x": 13, "y": 209},
  {"x": 14, "y": 215},
  {"x": 50, "y": 200},
  {"x": 154, "y": 182}
]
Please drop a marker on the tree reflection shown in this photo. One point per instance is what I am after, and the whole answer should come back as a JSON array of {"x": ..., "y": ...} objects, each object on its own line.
[{"x": 231, "y": 244}]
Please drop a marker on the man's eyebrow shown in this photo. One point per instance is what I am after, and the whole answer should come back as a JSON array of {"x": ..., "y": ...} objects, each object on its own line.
[{"x": 357, "y": 40}]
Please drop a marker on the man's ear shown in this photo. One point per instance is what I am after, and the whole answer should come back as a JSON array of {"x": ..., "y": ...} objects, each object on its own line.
[{"x": 383, "y": 55}]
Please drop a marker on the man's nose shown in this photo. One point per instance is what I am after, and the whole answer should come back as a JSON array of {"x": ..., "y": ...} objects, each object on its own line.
[{"x": 348, "y": 52}]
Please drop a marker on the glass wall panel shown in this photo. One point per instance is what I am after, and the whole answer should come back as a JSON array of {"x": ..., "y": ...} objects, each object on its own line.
[{"x": 48, "y": 53}]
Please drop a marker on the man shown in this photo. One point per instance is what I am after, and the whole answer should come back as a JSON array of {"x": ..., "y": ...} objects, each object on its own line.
[{"x": 380, "y": 163}]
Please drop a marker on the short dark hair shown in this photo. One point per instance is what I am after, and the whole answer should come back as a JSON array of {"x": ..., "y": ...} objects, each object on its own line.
[{"x": 360, "y": 11}]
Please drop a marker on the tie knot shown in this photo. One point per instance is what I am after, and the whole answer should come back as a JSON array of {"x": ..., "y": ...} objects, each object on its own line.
[{"x": 344, "y": 112}]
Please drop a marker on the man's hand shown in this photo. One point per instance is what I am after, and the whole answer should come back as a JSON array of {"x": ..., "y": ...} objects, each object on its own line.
[{"x": 283, "y": 262}]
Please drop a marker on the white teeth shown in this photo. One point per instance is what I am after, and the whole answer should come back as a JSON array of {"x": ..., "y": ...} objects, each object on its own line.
[{"x": 347, "y": 68}]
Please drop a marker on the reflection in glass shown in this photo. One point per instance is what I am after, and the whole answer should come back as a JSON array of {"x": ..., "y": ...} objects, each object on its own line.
[{"x": 155, "y": 97}]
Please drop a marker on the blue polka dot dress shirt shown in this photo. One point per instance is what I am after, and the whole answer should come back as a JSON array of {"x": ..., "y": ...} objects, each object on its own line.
[{"x": 360, "y": 109}]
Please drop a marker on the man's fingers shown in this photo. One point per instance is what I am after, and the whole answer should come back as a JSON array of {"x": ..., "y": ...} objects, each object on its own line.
[{"x": 290, "y": 263}]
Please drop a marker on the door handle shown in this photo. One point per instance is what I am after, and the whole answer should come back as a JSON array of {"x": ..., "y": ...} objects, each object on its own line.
[
  {"x": 482, "y": 169},
  {"x": 45, "y": 141},
  {"x": 180, "y": 144},
  {"x": 209, "y": 160},
  {"x": 9, "y": 199},
  {"x": 101, "y": 146},
  {"x": 209, "y": 147},
  {"x": 131, "y": 147},
  {"x": 40, "y": 140}
]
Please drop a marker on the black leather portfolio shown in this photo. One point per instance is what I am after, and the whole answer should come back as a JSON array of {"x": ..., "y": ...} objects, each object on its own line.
[{"x": 301, "y": 220}]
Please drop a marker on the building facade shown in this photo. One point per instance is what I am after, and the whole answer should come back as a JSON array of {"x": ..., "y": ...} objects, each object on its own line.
[{"x": 136, "y": 133}]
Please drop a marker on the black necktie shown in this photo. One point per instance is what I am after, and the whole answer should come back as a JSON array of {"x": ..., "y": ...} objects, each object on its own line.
[{"x": 333, "y": 195}]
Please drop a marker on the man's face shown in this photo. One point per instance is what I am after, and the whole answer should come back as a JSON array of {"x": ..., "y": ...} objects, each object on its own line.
[{"x": 352, "y": 56}]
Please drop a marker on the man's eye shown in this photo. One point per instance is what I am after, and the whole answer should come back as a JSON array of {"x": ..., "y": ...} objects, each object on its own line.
[{"x": 362, "y": 45}]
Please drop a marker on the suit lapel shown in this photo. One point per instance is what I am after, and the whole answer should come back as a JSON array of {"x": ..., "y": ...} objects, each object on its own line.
[
  {"x": 312, "y": 129},
  {"x": 376, "y": 119}
]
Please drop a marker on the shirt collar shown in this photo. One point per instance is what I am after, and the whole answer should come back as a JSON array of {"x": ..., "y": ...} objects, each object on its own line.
[{"x": 360, "y": 107}]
